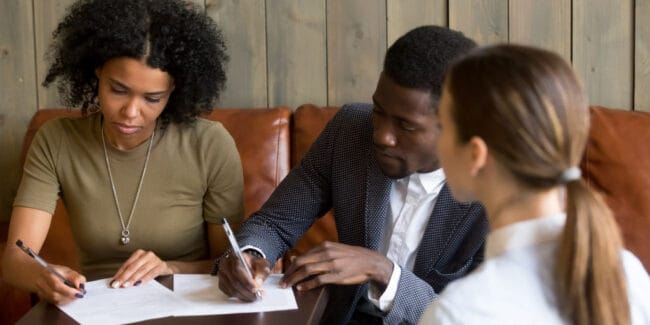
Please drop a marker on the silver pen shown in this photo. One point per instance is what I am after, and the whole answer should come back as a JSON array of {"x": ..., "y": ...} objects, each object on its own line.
[
  {"x": 42, "y": 262},
  {"x": 235, "y": 248}
]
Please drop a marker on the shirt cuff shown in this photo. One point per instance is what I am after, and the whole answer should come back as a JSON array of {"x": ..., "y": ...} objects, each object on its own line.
[
  {"x": 255, "y": 249},
  {"x": 215, "y": 266},
  {"x": 385, "y": 301}
]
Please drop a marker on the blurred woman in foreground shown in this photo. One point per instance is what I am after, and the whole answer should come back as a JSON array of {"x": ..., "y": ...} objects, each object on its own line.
[{"x": 514, "y": 125}]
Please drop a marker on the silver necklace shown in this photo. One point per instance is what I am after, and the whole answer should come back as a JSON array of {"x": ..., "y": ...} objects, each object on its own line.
[{"x": 124, "y": 238}]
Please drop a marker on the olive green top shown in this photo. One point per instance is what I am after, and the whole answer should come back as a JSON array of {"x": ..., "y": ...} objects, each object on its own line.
[{"x": 194, "y": 176}]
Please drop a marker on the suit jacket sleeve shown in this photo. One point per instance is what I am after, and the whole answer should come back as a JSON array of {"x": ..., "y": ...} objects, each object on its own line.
[{"x": 301, "y": 198}]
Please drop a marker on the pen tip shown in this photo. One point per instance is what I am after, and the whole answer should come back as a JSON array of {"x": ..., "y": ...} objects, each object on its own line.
[
  {"x": 19, "y": 242},
  {"x": 223, "y": 220}
]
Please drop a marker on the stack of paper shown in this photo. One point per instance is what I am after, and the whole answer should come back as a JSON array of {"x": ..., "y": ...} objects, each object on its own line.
[{"x": 194, "y": 294}]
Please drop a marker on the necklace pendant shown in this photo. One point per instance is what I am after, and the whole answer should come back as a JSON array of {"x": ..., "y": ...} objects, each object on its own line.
[{"x": 125, "y": 237}]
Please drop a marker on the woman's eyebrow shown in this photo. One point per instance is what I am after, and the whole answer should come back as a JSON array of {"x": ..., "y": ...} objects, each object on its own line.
[{"x": 153, "y": 93}]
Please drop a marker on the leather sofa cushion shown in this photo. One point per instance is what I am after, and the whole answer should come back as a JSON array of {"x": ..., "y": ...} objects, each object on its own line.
[{"x": 617, "y": 163}]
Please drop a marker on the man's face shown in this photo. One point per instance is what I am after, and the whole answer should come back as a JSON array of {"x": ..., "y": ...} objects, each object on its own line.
[{"x": 404, "y": 129}]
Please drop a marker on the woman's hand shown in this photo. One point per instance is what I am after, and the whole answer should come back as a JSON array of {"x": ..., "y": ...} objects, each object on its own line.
[
  {"x": 141, "y": 267},
  {"x": 50, "y": 288}
]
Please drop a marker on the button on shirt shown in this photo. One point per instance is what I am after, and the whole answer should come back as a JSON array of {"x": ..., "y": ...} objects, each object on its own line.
[{"x": 412, "y": 200}]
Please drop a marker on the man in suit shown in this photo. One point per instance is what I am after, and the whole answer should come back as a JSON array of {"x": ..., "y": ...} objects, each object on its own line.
[{"x": 402, "y": 237}]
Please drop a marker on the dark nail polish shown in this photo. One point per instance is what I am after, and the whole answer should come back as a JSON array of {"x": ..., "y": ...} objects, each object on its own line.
[
  {"x": 137, "y": 283},
  {"x": 82, "y": 286},
  {"x": 78, "y": 295}
]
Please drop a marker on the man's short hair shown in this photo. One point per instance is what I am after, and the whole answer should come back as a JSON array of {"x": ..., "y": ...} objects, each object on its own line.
[{"x": 419, "y": 59}]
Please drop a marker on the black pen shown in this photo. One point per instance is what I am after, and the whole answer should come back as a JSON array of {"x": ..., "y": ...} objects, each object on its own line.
[
  {"x": 42, "y": 262},
  {"x": 237, "y": 251}
]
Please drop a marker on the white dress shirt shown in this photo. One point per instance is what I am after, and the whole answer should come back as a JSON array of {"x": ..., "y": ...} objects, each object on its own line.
[
  {"x": 514, "y": 285},
  {"x": 412, "y": 200}
]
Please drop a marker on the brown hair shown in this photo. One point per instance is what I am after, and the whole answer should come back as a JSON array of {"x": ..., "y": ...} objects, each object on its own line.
[{"x": 530, "y": 109}]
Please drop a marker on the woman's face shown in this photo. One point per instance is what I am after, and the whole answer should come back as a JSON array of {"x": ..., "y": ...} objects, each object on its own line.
[
  {"x": 131, "y": 96},
  {"x": 454, "y": 156}
]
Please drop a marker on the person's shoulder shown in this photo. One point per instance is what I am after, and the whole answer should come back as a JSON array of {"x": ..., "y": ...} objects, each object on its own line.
[
  {"x": 638, "y": 286},
  {"x": 208, "y": 135},
  {"x": 631, "y": 261},
  {"x": 463, "y": 301},
  {"x": 356, "y": 109},
  {"x": 494, "y": 278},
  {"x": 352, "y": 115},
  {"x": 203, "y": 125},
  {"x": 199, "y": 129},
  {"x": 636, "y": 274},
  {"x": 499, "y": 291},
  {"x": 61, "y": 126}
]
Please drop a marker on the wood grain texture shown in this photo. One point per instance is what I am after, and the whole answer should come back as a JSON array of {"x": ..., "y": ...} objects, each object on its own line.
[
  {"x": 243, "y": 24},
  {"x": 287, "y": 52},
  {"x": 47, "y": 14},
  {"x": 642, "y": 56},
  {"x": 296, "y": 41},
  {"x": 404, "y": 15},
  {"x": 603, "y": 50},
  {"x": 485, "y": 21},
  {"x": 17, "y": 92},
  {"x": 545, "y": 24},
  {"x": 356, "y": 44}
]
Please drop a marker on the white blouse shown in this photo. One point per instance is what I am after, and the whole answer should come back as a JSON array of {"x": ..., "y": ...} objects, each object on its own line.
[{"x": 514, "y": 283}]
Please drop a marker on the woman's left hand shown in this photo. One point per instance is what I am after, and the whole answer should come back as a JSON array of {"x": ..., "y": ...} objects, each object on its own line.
[{"x": 141, "y": 267}]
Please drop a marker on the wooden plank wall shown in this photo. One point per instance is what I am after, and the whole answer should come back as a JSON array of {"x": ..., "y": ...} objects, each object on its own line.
[{"x": 329, "y": 52}]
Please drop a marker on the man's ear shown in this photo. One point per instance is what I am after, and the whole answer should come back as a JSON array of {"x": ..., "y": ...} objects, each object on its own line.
[
  {"x": 98, "y": 70},
  {"x": 478, "y": 153}
]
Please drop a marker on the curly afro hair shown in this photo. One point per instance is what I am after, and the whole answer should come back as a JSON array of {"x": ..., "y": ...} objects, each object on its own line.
[
  {"x": 419, "y": 59},
  {"x": 170, "y": 35}
]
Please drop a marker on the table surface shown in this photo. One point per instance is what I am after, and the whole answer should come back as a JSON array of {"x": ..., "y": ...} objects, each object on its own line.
[{"x": 311, "y": 305}]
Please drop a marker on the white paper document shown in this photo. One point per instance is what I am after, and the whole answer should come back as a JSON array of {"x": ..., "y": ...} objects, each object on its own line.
[
  {"x": 194, "y": 294},
  {"x": 202, "y": 296},
  {"x": 105, "y": 305}
]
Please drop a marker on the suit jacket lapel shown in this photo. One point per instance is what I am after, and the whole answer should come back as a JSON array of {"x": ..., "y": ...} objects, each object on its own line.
[
  {"x": 376, "y": 205},
  {"x": 446, "y": 215}
]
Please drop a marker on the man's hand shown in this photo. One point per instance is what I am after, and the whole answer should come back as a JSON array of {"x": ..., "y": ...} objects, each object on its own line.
[
  {"x": 335, "y": 263},
  {"x": 235, "y": 282}
]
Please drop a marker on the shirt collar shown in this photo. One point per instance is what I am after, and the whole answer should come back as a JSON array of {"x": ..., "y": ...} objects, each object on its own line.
[
  {"x": 428, "y": 181},
  {"x": 523, "y": 234}
]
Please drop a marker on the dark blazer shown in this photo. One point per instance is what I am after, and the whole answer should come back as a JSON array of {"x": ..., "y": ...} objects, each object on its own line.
[{"x": 340, "y": 172}]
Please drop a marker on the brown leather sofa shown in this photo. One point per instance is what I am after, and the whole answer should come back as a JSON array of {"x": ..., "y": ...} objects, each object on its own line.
[{"x": 270, "y": 141}]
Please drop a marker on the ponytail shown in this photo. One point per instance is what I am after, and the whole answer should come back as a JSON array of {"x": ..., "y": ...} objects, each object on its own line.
[{"x": 589, "y": 271}]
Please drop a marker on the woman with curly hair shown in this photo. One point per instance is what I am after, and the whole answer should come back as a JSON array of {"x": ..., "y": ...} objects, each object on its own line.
[
  {"x": 144, "y": 180},
  {"x": 514, "y": 126}
]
